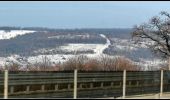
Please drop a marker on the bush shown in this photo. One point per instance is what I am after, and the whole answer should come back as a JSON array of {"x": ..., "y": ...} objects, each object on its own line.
[
  {"x": 103, "y": 63},
  {"x": 81, "y": 62},
  {"x": 77, "y": 62},
  {"x": 12, "y": 67}
]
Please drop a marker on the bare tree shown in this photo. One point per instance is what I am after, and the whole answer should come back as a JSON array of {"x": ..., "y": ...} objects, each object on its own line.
[
  {"x": 121, "y": 63},
  {"x": 45, "y": 64},
  {"x": 12, "y": 66},
  {"x": 157, "y": 30},
  {"x": 107, "y": 63},
  {"x": 92, "y": 65},
  {"x": 1, "y": 68},
  {"x": 76, "y": 62}
]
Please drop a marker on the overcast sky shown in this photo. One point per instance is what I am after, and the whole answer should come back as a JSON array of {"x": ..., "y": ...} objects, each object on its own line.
[{"x": 79, "y": 14}]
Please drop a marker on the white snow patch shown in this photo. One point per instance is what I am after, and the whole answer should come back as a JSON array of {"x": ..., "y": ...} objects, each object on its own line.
[
  {"x": 80, "y": 47},
  {"x": 154, "y": 63},
  {"x": 97, "y": 48},
  {"x": 60, "y": 58},
  {"x": 101, "y": 49},
  {"x": 53, "y": 58},
  {"x": 2, "y": 61},
  {"x": 13, "y": 33},
  {"x": 69, "y": 36},
  {"x": 121, "y": 47}
]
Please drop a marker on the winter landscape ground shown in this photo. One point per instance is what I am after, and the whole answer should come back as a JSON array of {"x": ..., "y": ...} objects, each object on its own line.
[{"x": 63, "y": 44}]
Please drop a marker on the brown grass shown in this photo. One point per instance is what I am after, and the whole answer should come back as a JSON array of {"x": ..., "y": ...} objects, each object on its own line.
[{"x": 81, "y": 62}]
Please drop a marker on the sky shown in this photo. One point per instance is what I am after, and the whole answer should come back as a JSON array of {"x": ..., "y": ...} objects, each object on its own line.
[{"x": 79, "y": 14}]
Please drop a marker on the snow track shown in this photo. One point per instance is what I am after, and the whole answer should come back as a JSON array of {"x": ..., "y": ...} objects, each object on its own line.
[{"x": 101, "y": 49}]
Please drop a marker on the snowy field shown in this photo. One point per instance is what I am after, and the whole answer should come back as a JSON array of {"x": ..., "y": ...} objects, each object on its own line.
[
  {"x": 13, "y": 33},
  {"x": 81, "y": 47},
  {"x": 56, "y": 58},
  {"x": 70, "y": 36},
  {"x": 59, "y": 58},
  {"x": 97, "y": 48}
]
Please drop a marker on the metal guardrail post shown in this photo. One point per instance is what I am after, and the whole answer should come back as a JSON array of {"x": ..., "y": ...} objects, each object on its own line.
[
  {"x": 12, "y": 89},
  {"x": 124, "y": 84},
  {"x": 6, "y": 84},
  {"x": 75, "y": 84},
  {"x": 43, "y": 87},
  {"x": 56, "y": 87},
  {"x": 161, "y": 85},
  {"x": 27, "y": 89}
]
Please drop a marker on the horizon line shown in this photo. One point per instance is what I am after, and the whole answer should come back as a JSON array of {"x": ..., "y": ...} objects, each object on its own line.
[{"x": 68, "y": 28}]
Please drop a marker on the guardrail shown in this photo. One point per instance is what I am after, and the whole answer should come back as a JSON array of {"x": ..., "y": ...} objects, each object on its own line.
[{"x": 81, "y": 84}]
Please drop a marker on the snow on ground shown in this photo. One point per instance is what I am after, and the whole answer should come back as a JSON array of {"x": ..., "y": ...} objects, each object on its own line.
[
  {"x": 101, "y": 49},
  {"x": 13, "y": 33},
  {"x": 98, "y": 49},
  {"x": 70, "y": 36},
  {"x": 127, "y": 47},
  {"x": 2, "y": 61},
  {"x": 124, "y": 44},
  {"x": 10, "y": 59},
  {"x": 151, "y": 63},
  {"x": 81, "y": 47},
  {"x": 59, "y": 58}
]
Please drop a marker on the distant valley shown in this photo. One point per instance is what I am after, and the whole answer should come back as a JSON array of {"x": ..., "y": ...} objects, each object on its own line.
[{"x": 29, "y": 45}]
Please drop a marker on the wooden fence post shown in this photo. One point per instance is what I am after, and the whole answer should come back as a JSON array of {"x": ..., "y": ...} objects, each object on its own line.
[
  {"x": 124, "y": 84},
  {"x": 161, "y": 85},
  {"x": 75, "y": 84},
  {"x": 6, "y": 84}
]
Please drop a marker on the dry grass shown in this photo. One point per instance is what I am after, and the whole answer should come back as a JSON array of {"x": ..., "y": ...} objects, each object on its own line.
[
  {"x": 103, "y": 63},
  {"x": 81, "y": 62}
]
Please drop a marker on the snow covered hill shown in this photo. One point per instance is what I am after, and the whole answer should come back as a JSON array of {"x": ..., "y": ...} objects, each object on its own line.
[{"x": 13, "y": 33}]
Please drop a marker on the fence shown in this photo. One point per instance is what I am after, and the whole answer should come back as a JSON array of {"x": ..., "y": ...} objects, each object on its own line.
[{"x": 73, "y": 84}]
